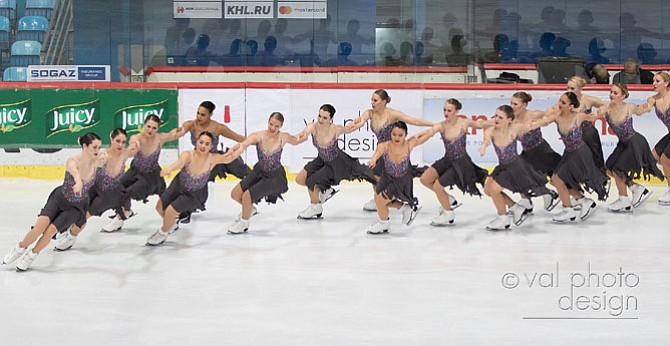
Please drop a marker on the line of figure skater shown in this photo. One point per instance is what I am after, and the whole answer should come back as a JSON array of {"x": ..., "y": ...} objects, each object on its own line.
[{"x": 97, "y": 181}]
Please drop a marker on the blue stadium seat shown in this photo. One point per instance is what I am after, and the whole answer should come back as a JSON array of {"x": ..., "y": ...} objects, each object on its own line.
[
  {"x": 8, "y": 8},
  {"x": 25, "y": 53},
  {"x": 39, "y": 8},
  {"x": 4, "y": 32},
  {"x": 14, "y": 74},
  {"x": 32, "y": 28}
]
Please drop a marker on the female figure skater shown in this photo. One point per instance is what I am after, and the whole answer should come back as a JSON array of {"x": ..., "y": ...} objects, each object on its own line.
[
  {"x": 577, "y": 166},
  {"x": 631, "y": 158},
  {"x": 536, "y": 150},
  {"x": 203, "y": 122},
  {"x": 182, "y": 194},
  {"x": 381, "y": 118},
  {"x": 590, "y": 134},
  {"x": 107, "y": 191},
  {"x": 661, "y": 104},
  {"x": 65, "y": 206},
  {"x": 331, "y": 166},
  {"x": 143, "y": 179},
  {"x": 512, "y": 173},
  {"x": 268, "y": 178},
  {"x": 395, "y": 187},
  {"x": 456, "y": 167}
]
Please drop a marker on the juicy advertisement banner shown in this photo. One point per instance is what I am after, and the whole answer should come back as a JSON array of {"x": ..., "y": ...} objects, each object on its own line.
[{"x": 41, "y": 118}]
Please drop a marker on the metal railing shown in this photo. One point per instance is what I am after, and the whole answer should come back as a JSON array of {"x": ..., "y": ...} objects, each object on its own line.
[{"x": 58, "y": 43}]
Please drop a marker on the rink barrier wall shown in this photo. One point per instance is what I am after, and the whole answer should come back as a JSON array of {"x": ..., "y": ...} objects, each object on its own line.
[{"x": 244, "y": 107}]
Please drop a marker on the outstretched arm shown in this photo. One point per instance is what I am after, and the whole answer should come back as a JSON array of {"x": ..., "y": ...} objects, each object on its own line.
[
  {"x": 357, "y": 123},
  {"x": 398, "y": 115},
  {"x": 225, "y": 131},
  {"x": 599, "y": 113},
  {"x": 480, "y": 123},
  {"x": 131, "y": 150},
  {"x": 172, "y": 135},
  {"x": 643, "y": 108},
  {"x": 381, "y": 148},
  {"x": 486, "y": 142},
  {"x": 295, "y": 139},
  {"x": 73, "y": 168},
  {"x": 183, "y": 159},
  {"x": 549, "y": 118},
  {"x": 239, "y": 148},
  {"x": 424, "y": 136}
]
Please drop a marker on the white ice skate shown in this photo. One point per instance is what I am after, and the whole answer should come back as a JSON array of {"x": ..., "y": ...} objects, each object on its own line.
[
  {"x": 26, "y": 261},
  {"x": 157, "y": 238},
  {"x": 519, "y": 213},
  {"x": 113, "y": 226},
  {"x": 445, "y": 218},
  {"x": 500, "y": 223},
  {"x": 550, "y": 201},
  {"x": 640, "y": 194},
  {"x": 66, "y": 242},
  {"x": 326, "y": 195},
  {"x": 621, "y": 205},
  {"x": 370, "y": 206},
  {"x": 566, "y": 215},
  {"x": 379, "y": 227},
  {"x": 665, "y": 199},
  {"x": 313, "y": 211},
  {"x": 241, "y": 226},
  {"x": 588, "y": 208},
  {"x": 409, "y": 213},
  {"x": 13, "y": 255}
]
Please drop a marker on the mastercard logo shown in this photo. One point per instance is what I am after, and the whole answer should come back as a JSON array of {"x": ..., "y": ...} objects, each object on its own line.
[{"x": 285, "y": 9}]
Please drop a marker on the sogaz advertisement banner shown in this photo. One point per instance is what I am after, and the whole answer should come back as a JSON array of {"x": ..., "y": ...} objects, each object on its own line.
[{"x": 55, "y": 118}]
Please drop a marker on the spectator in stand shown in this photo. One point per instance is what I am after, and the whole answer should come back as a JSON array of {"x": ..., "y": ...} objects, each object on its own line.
[
  {"x": 198, "y": 55},
  {"x": 646, "y": 53},
  {"x": 630, "y": 74},
  {"x": 596, "y": 49},
  {"x": 343, "y": 51},
  {"x": 598, "y": 74}
]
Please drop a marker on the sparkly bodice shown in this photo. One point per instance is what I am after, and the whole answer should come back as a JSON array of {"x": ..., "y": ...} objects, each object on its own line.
[
  {"x": 193, "y": 182},
  {"x": 383, "y": 134},
  {"x": 572, "y": 139},
  {"x": 268, "y": 161},
  {"x": 624, "y": 131},
  {"x": 665, "y": 117},
  {"x": 453, "y": 149},
  {"x": 215, "y": 141},
  {"x": 106, "y": 182},
  {"x": 531, "y": 139},
  {"x": 507, "y": 153},
  {"x": 329, "y": 152},
  {"x": 396, "y": 169},
  {"x": 149, "y": 163},
  {"x": 68, "y": 186}
]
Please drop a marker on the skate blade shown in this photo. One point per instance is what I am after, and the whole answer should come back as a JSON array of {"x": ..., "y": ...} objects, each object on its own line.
[
  {"x": 317, "y": 217},
  {"x": 330, "y": 196},
  {"x": 448, "y": 224},
  {"x": 507, "y": 228}
]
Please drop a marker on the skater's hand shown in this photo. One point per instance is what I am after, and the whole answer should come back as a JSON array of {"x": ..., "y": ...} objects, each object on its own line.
[
  {"x": 78, "y": 186},
  {"x": 165, "y": 172},
  {"x": 482, "y": 150}
]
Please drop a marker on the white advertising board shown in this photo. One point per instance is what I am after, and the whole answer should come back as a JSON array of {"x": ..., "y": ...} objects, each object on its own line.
[{"x": 197, "y": 9}]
